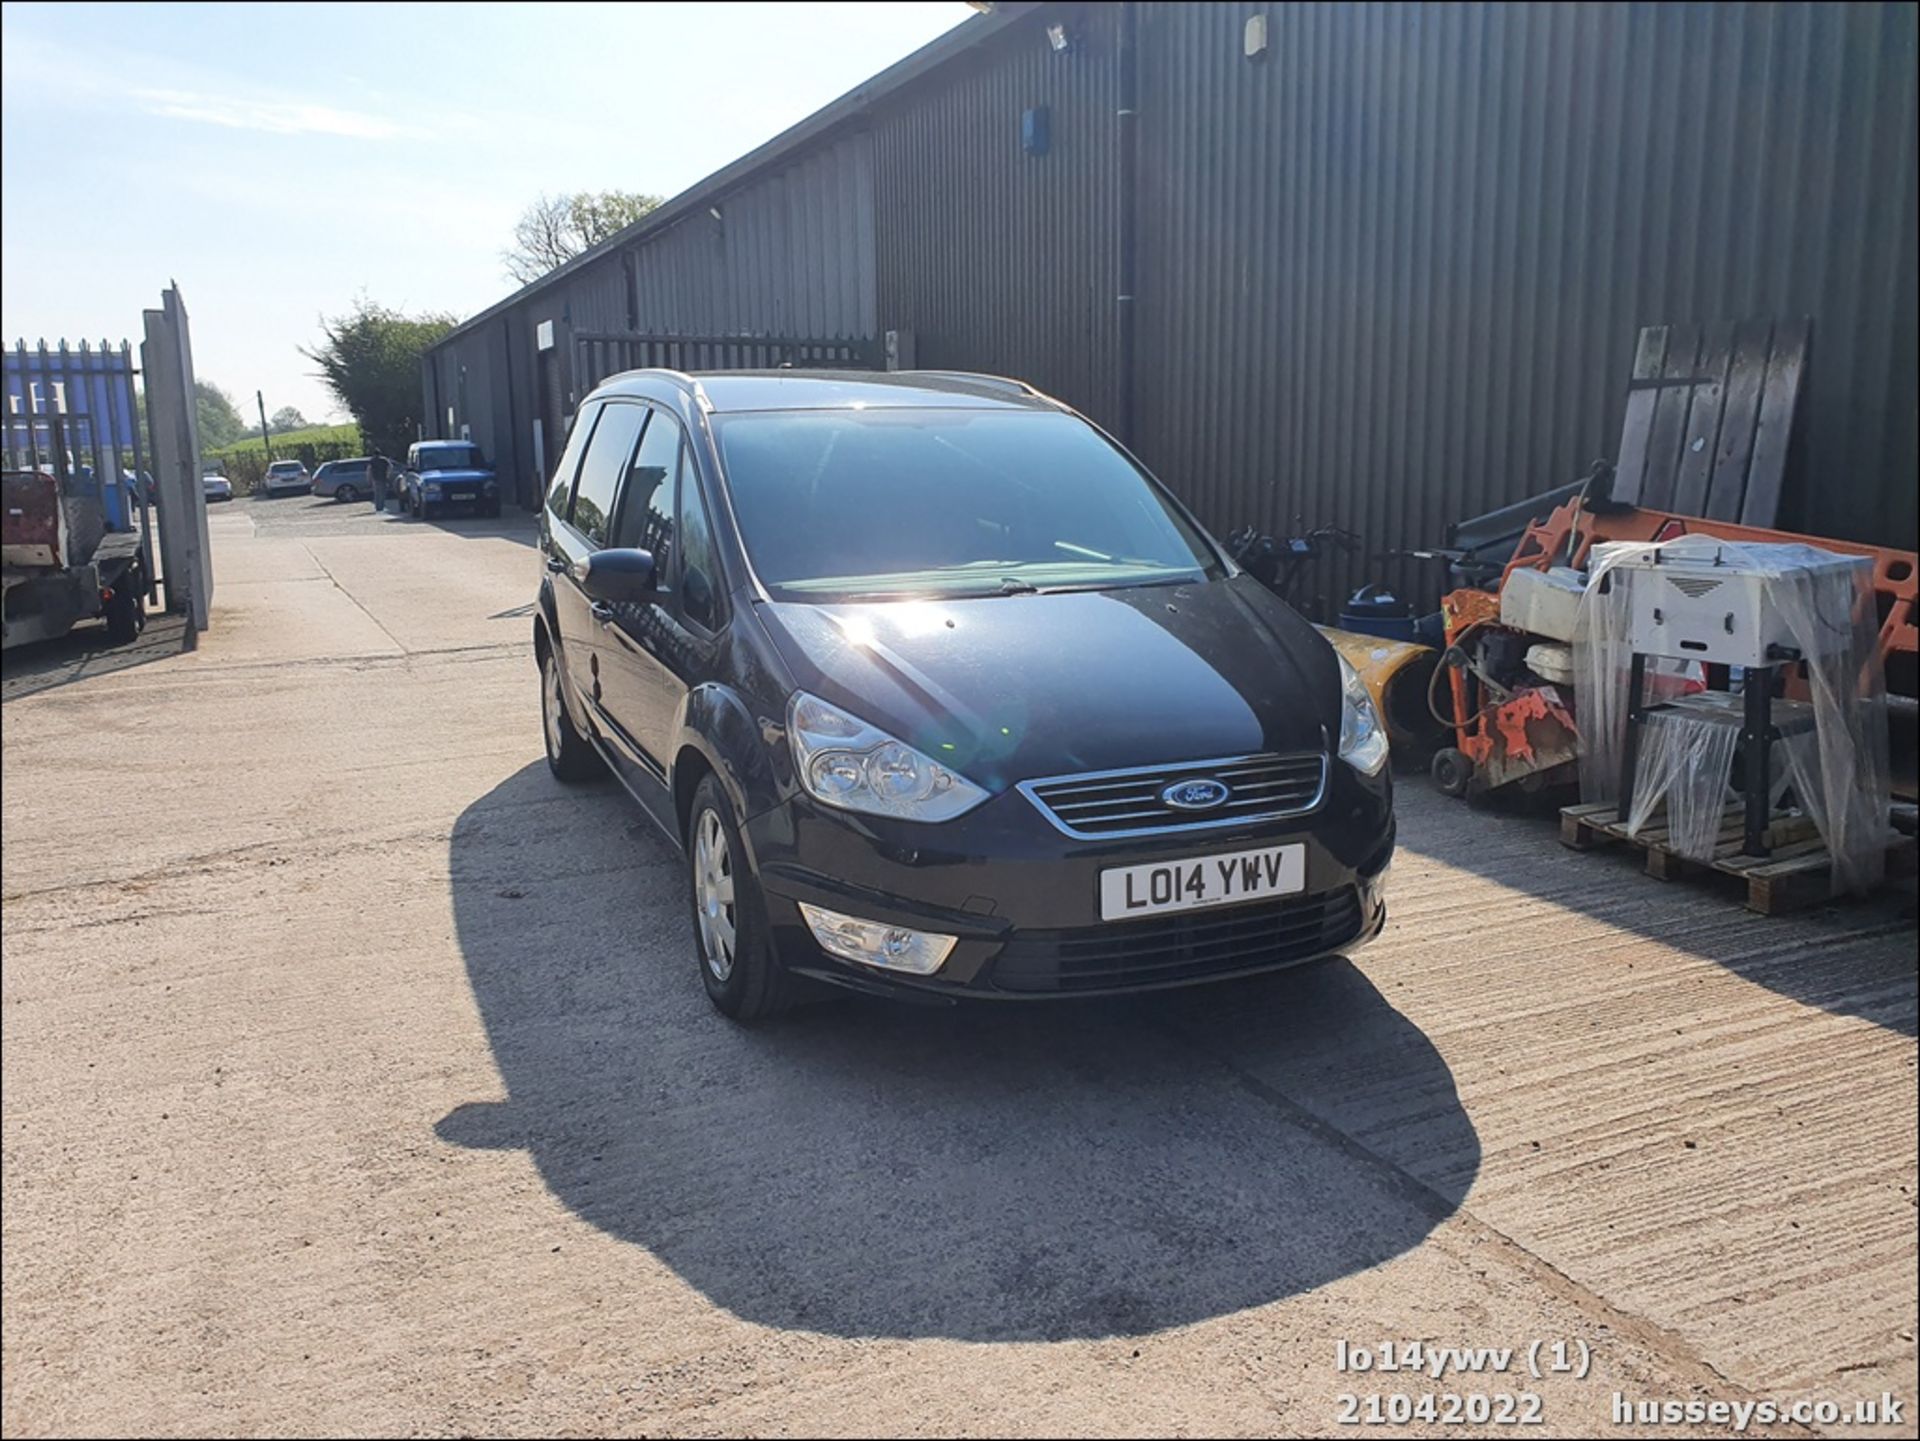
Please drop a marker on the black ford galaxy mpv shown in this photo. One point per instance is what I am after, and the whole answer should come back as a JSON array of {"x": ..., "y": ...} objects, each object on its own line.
[{"x": 939, "y": 691}]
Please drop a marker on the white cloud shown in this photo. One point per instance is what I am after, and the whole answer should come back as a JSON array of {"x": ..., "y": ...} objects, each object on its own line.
[{"x": 274, "y": 117}]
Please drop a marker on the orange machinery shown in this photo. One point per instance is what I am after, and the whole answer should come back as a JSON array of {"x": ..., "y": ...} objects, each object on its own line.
[{"x": 1505, "y": 734}]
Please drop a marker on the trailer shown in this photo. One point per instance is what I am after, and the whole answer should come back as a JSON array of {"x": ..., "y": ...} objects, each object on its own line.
[{"x": 72, "y": 547}]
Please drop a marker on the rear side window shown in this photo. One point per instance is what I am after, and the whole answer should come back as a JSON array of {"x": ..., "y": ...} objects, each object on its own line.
[
  {"x": 601, "y": 470},
  {"x": 648, "y": 499}
]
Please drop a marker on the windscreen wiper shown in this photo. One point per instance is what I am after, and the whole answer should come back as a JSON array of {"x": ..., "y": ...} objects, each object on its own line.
[{"x": 1121, "y": 584}]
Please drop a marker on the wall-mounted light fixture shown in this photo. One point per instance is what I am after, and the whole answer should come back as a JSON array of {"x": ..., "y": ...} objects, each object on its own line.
[
  {"x": 1058, "y": 38},
  {"x": 1254, "y": 39}
]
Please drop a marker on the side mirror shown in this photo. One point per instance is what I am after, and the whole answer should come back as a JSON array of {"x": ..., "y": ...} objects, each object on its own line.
[{"x": 616, "y": 576}]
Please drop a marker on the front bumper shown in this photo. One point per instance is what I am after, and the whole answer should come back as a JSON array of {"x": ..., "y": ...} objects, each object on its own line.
[
  {"x": 1023, "y": 899},
  {"x": 482, "y": 493}
]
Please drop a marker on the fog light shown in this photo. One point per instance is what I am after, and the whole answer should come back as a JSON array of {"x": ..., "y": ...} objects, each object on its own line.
[{"x": 890, "y": 948}]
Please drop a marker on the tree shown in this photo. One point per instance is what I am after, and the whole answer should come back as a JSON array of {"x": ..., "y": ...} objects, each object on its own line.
[
  {"x": 220, "y": 423},
  {"x": 287, "y": 418},
  {"x": 556, "y": 228},
  {"x": 370, "y": 360}
]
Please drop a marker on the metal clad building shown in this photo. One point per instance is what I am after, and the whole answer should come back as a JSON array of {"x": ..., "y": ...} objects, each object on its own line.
[
  {"x": 997, "y": 259},
  {"x": 1402, "y": 257},
  {"x": 788, "y": 254},
  {"x": 1388, "y": 261}
]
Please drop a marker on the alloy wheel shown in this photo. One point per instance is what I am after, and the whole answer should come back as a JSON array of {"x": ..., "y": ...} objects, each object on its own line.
[
  {"x": 713, "y": 894},
  {"x": 550, "y": 704}
]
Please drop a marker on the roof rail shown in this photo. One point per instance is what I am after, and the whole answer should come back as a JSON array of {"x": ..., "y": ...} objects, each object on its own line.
[
  {"x": 679, "y": 377},
  {"x": 1004, "y": 382}
]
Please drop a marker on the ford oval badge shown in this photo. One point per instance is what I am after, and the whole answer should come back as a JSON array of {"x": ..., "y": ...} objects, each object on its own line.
[{"x": 1195, "y": 795}]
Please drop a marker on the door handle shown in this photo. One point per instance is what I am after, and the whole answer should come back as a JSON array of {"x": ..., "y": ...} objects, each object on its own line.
[
  {"x": 556, "y": 565},
  {"x": 603, "y": 612}
]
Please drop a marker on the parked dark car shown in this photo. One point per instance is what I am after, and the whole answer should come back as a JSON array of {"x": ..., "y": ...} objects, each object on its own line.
[
  {"x": 939, "y": 691},
  {"x": 343, "y": 479},
  {"x": 446, "y": 475}
]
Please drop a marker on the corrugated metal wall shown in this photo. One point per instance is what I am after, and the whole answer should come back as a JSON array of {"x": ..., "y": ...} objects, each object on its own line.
[
  {"x": 1391, "y": 272},
  {"x": 995, "y": 259},
  {"x": 792, "y": 254}
]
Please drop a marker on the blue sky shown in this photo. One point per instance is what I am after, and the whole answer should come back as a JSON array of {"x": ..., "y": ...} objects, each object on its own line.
[{"x": 278, "y": 160}]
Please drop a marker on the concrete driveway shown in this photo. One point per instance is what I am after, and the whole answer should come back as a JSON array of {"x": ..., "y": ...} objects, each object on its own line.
[{"x": 358, "y": 1079}]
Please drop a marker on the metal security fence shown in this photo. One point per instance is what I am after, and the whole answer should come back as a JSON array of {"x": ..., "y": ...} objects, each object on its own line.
[
  {"x": 72, "y": 407},
  {"x": 597, "y": 356}
]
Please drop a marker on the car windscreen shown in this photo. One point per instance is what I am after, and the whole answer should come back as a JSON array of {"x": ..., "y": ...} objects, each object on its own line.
[
  {"x": 449, "y": 457},
  {"x": 848, "y": 504},
  {"x": 285, "y": 467}
]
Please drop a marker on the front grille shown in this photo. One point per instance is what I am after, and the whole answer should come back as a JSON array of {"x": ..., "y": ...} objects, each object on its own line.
[
  {"x": 1127, "y": 803},
  {"x": 1177, "y": 948}
]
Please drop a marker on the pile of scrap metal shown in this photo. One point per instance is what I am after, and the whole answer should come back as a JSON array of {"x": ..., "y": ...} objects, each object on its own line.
[
  {"x": 1508, "y": 668},
  {"x": 1709, "y": 418}
]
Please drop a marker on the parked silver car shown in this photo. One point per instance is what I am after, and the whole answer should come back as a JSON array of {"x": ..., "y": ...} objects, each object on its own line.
[{"x": 343, "y": 479}]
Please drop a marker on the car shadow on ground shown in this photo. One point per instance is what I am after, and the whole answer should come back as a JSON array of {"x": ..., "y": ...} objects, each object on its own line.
[
  {"x": 1853, "y": 958},
  {"x": 866, "y": 1168},
  {"x": 85, "y": 652}
]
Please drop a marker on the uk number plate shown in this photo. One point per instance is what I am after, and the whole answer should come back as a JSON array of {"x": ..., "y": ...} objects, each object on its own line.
[{"x": 1202, "y": 881}]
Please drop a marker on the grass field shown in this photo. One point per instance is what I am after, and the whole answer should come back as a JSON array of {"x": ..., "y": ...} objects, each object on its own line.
[{"x": 289, "y": 441}]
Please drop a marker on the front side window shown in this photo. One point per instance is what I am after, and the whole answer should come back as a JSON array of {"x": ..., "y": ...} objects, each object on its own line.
[
  {"x": 653, "y": 484},
  {"x": 601, "y": 470},
  {"x": 845, "y": 504}
]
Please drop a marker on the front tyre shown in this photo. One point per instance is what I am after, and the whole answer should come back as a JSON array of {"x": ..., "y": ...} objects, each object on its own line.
[
  {"x": 570, "y": 756},
  {"x": 730, "y": 931}
]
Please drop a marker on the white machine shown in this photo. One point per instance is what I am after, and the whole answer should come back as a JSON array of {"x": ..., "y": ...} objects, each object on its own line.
[
  {"x": 1721, "y": 604},
  {"x": 1543, "y": 602}
]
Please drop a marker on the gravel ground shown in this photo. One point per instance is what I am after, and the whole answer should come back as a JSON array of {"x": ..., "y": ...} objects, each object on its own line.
[{"x": 358, "y": 1079}]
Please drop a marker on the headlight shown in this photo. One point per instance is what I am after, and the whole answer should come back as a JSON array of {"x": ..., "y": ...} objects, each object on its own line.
[
  {"x": 842, "y": 761},
  {"x": 432, "y": 487},
  {"x": 1363, "y": 740}
]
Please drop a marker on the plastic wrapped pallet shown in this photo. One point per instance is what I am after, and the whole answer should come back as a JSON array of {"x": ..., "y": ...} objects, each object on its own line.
[
  {"x": 1686, "y": 743},
  {"x": 1820, "y": 605}
]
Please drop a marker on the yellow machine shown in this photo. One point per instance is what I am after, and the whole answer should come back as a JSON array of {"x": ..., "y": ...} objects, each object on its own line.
[{"x": 1397, "y": 674}]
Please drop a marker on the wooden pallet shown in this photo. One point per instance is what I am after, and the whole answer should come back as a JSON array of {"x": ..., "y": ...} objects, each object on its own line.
[{"x": 1797, "y": 873}]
